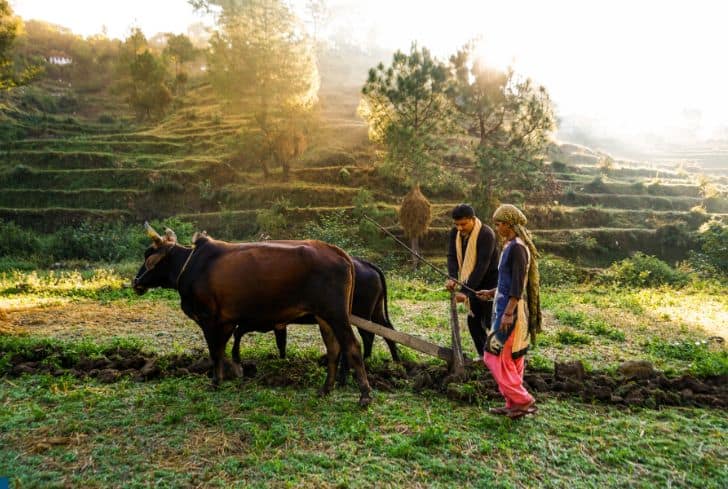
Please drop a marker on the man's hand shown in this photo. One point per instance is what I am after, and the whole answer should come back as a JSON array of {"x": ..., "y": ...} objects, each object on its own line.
[
  {"x": 460, "y": 297},
  {"x": 485, "y": 295},
  {"x": 450, "y": 284}
]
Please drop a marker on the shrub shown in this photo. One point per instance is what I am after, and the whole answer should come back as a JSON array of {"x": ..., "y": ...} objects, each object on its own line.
[
  {"x": 17, "y": 241},
  {"x": 344, "y": 175},
  {"x": 273, "y": 220},
  {"x": 642, "y": 270},
  {"x": 34, "y": 98},
  {"x": 557, "y": 271},
  {"x": 333, "y": 228},
  {"x": 558, "y": 166},
  {"x": 712, "y": 260},
  {"x": 94, "y": 242},
  {"x": 106, "y": 119},
  {"x": 596, "y": 186}
]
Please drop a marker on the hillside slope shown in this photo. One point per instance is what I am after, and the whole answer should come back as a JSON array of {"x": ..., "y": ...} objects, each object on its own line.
[{"x": 58, "y": 170}]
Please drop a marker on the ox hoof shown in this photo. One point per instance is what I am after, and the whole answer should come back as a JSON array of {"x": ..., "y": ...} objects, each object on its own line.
[
  {"x": 364, "y": 401},
  {"x": 323, "y": 392},
  {"x": 214, "y": 386}
]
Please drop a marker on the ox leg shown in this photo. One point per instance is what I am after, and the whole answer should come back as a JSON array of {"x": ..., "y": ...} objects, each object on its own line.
[
  {"x": 350, "y": 348},
  {"x": 217, "y": 337},
  {"x": 236, "y": 344},
  {"x": 367, "y": 340},
  {"x": 281, "y": 340},
  {"x": 332, "y": 354},
  {"x": 342, "y": 374},
  {"x": 381, "y": 318}
]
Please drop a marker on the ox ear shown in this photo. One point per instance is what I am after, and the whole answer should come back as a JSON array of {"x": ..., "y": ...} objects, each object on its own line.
[
  {"x": 156, "y": 238},
  {"x": 170, "y": 236}
]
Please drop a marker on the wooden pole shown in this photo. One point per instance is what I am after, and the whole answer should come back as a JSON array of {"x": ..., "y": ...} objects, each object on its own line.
[
  {"x": 404, "y": 338},
  {"x": 456, "y": 366}
]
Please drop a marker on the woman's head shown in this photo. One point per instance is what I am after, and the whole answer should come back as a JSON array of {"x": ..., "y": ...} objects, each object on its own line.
[{"x": 508, "y": 218}]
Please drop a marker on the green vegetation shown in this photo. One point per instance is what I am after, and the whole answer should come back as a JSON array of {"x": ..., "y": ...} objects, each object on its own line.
[
  {"x": 255, "y": 434},
  {"x": 248, "y": 436}
]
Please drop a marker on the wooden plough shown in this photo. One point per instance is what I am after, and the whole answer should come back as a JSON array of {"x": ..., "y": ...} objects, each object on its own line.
[{"x": 455, "y": 361}]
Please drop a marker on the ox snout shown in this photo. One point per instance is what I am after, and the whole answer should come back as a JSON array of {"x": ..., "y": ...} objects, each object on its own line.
[{"x": 138, "y": 288}]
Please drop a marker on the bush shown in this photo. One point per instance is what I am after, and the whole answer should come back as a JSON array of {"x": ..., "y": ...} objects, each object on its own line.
[
  {"x": 34, "y": 98},
  {"x": 110, "y": 242},
  {"x": 642, "y": 270},
  {"x": 106, "y": 119},
  {"x": 333, "y": 228},
  {"x": 272, "y": 221},
  {"x": 344, "y": 175},
  {"x": 105, "y": 242},
  {"x": 17, "y": 241},
  {"x": 558, "y": 166},
  {"x": 712, "y": 260},
  {"x": 596, "y": 186},
  {"x": 557, "y": 271}
]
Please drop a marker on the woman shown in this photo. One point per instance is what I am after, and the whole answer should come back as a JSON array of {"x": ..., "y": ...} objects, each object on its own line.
[{"x": 515, "y": 318}]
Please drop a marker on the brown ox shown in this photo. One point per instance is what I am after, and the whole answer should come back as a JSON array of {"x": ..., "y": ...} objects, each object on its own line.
[{"x": 224, "y": 284}]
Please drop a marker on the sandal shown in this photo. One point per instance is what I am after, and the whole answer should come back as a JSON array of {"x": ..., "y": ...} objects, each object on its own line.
[
  {"x": 499, "y": 410},
  {"x": 521, "y": 412}
]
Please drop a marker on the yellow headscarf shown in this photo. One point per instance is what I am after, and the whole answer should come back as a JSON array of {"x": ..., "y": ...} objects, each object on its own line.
[{"x": 510, "y": 214}]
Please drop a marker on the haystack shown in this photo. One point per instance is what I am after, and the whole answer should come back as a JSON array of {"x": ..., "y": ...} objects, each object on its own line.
[{"x": 415, "y": 215}]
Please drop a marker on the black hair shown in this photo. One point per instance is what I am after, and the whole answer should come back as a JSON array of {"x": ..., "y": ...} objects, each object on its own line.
[{"x": 463, "y": 211}]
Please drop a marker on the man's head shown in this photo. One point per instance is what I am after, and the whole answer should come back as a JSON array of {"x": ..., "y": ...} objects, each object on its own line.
[{"x": 463, "y": 216}]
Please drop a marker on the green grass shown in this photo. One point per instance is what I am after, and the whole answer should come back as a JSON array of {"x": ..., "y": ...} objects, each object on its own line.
[{"x": 176, "y": 432}]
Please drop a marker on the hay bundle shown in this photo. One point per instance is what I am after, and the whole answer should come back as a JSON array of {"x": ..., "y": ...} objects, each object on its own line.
[{"x": 415, "y": 215}]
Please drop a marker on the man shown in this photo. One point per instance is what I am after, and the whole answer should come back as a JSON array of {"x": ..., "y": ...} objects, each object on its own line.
[{"x": 472, "y": 258}]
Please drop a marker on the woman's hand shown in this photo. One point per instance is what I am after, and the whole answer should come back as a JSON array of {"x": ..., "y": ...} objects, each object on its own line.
[{"x": 507, "y": 320}]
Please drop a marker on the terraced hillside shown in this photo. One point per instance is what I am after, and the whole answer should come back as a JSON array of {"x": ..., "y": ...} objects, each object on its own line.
[{"x": 58, "y": 171}]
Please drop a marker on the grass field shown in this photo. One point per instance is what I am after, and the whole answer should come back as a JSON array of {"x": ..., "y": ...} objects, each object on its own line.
[{"x": 270, "y": 429}]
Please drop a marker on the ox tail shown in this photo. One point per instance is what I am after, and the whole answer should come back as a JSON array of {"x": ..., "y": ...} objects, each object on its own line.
[
  {"x": 346, "y": 256},
  {"x": 385, "y": 300}
]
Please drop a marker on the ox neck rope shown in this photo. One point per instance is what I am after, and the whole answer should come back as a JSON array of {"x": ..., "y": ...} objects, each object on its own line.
[{"x": 184, "y": 267}]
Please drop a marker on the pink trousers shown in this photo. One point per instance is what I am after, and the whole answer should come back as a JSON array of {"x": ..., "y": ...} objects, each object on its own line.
[{"x": 508, "y": 373}]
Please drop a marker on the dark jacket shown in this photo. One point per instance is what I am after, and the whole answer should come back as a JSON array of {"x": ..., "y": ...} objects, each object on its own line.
[{"x": 485, "y": 272}]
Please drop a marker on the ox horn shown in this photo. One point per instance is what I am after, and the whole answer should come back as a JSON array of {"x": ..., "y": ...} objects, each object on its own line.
[
  {"x": 169, "y": 235},
  {"x": 152, "y": 233}
]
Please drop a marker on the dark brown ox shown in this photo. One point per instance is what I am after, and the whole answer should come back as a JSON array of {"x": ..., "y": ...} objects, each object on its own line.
[
  {"x": 370, "y": 302},
  {"x": 224, "y": 284}
]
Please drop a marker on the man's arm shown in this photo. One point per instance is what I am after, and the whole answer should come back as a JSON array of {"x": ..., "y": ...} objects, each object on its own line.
[{"x": 486, "y": 245}]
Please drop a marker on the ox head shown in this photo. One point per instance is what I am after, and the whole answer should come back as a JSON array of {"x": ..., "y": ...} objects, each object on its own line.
[{"x": 156, "y": 269}]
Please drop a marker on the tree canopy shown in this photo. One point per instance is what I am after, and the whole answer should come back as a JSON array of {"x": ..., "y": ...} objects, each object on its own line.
[
  {"x": 262, "y": 61},
  {"x": 407, "y": 110}
]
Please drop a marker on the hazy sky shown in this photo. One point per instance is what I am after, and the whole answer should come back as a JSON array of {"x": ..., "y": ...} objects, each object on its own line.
[{"x": 628, "y": 66}]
